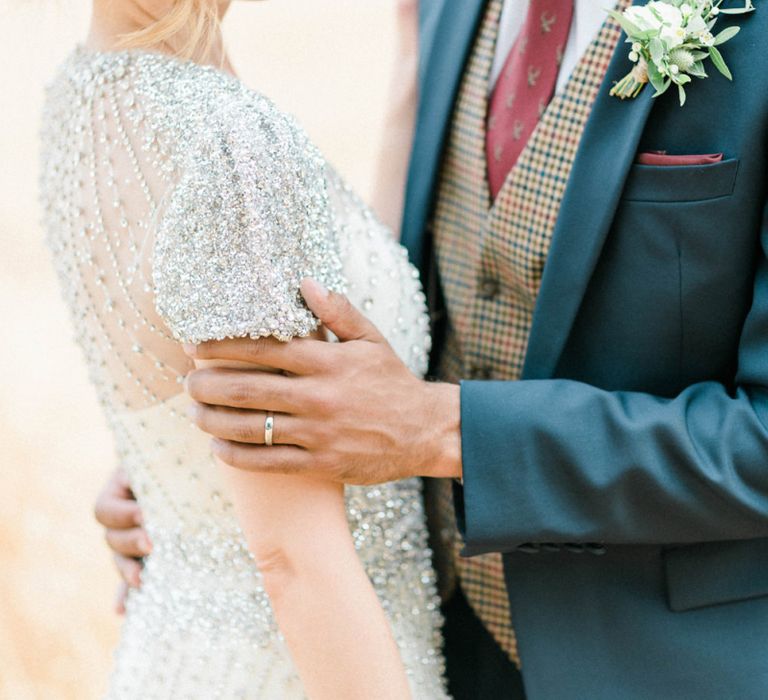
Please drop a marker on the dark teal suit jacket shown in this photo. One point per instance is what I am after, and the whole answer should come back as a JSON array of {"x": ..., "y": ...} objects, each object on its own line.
[{"x": 625, "y": 477}]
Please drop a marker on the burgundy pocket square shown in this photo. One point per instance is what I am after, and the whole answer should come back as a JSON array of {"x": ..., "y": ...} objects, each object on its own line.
[{"x": 661, "y": 158}]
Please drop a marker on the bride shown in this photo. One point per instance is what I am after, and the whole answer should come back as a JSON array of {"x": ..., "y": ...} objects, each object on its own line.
[{"x": 182, "y": 207}]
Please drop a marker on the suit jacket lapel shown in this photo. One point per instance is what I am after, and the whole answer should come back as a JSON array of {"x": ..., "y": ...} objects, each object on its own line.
[
  {"x": 448, "y": 29},
  {"x": 605, "y": 154}
]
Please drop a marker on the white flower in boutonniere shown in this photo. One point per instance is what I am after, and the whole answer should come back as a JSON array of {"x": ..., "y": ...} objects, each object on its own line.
[{"x": 670, "y": 41}]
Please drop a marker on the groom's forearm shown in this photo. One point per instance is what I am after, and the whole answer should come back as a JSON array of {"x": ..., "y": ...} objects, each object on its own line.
[
  {"x": 443, "y": 431},
  {"x": 563, "y": 461}
]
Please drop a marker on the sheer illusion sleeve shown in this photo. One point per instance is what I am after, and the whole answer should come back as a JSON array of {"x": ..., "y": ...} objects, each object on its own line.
[{"x": 248, "y": 219}]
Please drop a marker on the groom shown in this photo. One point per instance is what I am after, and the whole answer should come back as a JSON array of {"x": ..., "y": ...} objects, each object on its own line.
[{"x": 598, "y": 280}]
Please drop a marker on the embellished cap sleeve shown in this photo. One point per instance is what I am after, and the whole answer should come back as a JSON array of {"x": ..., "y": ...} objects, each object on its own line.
[{"x": 248, "y": 219}]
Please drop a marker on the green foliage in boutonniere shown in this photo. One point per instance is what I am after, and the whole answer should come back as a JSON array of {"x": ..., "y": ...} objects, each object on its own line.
[{"x": 670, "y": 40}]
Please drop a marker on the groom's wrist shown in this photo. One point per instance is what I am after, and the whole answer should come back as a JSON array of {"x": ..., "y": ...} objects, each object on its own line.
[{"x": 444, "y": 431}]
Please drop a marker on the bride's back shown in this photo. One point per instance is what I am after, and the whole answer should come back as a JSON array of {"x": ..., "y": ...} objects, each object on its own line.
[
  {"x": 146, "y": 175},
  {"x": 104, "y": 170},
  {"x": 181, "y": 205},
  {"x": 115, "y": 131}
]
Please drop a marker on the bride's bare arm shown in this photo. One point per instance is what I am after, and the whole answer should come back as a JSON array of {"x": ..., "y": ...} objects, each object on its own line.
[
  {"x": 323, "y": 601},
  {"x": 248, "y": 218},
  {"x": 394, "y": 153}
]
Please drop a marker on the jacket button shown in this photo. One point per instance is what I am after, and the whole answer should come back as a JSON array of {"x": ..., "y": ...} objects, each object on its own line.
[
  {"x": 529, "y": 548},
  {"x": 595, "y": 548},
  {"x": 480, "y": 373},
  {"x": 488, "y": 288},
  {"x": 574, "y": 547}
]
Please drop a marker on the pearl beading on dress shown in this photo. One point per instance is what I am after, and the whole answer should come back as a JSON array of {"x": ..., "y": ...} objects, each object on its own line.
[{"x": 181, "y": 205}]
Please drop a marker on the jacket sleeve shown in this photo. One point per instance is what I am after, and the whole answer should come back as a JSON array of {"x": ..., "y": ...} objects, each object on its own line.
[{"x": 556, "y": 460}]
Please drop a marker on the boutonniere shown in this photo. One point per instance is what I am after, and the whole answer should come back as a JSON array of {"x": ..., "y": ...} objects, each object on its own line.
[{"x": 670, "y": 40}]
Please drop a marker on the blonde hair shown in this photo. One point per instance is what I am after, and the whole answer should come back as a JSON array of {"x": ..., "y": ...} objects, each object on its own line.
[{"x": 194, "y": 24}]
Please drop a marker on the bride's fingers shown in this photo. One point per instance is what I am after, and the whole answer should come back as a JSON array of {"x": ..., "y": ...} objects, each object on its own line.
[
  {"x": 299, "y": 356},
  {"x": 246, "y": 426},
  {"x": 280, "y": 459}
]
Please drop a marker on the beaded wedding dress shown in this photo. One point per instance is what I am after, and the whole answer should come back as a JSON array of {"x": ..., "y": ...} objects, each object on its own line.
[{"x": 182, "y": 206}]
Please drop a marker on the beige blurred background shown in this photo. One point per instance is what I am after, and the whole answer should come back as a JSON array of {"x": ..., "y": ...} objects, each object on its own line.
[{"x": 328, "y": 62}]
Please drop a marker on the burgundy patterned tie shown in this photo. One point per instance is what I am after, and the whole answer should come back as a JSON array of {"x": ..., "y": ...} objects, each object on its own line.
[{"x": 526, "y": 85}]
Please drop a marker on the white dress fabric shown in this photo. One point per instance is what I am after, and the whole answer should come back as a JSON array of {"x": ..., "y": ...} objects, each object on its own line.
[{"x": 182, "y": 206}]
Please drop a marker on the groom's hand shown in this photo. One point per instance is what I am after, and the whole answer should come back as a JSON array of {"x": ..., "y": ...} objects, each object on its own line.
[
  {"x": 349, "y": 411},
  {"x": 118, "y": 512}
]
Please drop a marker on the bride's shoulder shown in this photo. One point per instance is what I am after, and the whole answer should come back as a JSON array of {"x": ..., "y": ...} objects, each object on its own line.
[
  {"x": 183, "y": 103},
  {"x": 248, "y": 214}
]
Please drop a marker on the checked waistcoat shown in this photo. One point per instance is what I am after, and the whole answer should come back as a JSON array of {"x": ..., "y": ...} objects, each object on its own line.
[{"x": 490, "y": 257}]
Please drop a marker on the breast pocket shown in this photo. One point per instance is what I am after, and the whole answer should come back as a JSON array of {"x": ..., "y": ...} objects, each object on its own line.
[
  {"x": 696, "y": 225},
  {"x": 680, "y": 183},
  {"x": 675, "y": 273}
]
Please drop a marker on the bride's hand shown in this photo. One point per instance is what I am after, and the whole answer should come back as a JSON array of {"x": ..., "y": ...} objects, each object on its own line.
[{"x": 348, "y": 411}]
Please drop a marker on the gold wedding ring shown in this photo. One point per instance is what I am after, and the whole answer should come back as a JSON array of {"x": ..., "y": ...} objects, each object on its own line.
[{"x": 269, "y": 426}]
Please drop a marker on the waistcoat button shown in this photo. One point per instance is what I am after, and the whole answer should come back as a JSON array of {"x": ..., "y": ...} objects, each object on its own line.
[
  {"x": 480, "y": 373},
  {"x": 488, "y": 289}
]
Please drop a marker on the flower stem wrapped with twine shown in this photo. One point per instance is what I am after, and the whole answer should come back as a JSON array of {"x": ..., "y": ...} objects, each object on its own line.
[{"x": 632, "y": 83}]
